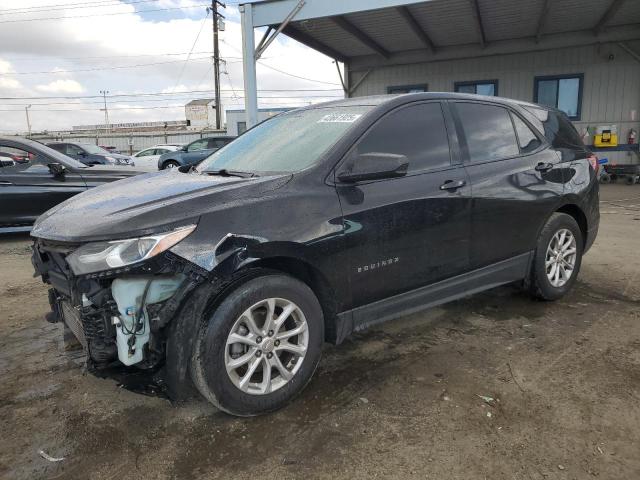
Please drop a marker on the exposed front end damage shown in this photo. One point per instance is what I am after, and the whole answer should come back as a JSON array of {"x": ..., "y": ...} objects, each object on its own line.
[{"x": 121, "y": 317}]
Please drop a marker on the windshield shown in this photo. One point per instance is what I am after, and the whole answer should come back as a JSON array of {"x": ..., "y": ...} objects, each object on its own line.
[
  {"x": 289, "y": 142},
  {"x": 94, "y": 149}
]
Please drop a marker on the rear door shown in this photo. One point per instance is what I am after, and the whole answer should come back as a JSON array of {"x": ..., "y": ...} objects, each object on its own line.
[
  {"x": 510, "y": 197},
  {"x": 406, "y": 232},
  {"x": 29, "y": 189}
]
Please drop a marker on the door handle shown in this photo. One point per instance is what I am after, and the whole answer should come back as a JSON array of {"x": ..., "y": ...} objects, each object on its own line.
[
  {"x": 453, "y": 185},
  {"x": 544, "y": 167}
]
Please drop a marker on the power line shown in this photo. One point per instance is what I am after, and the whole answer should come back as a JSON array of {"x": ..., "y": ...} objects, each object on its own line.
[
  {"x": 282, "y": 71},
  {"x": 102, "y": 14},
  {"x": 296, "y": 76},
  {"x": 262, "y": 98},
  {"x": 192, "y": 47},
  {"x": 70, "y": 6},
  {"x": 160, "y": 54},
  {"x": 151, "y": 100},
  {"x": 95, "y": 69},
  {"x": 186, "y": 92}
]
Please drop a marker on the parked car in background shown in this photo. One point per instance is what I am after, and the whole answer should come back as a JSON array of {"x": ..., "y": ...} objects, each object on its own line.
[
  {"x": 192, "y": 153},
  {"x": 148, "y": 158},
  {"x": 15, "y": 155},
  {"x": 90, "y": 154},
  {"x": 320, "y": 222},
  {"x": 47, "y": 178},
  {"x": 110, "y": 149}
]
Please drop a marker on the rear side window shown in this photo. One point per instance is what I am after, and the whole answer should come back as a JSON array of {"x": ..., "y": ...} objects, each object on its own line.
[
  {"x": 60, "y": 147},
  {"x": 527, "y": 140},
  {"x": 488, "y": 132},
  {"x": 416, "y": 131},
  {"x": 557, "y": 128}
]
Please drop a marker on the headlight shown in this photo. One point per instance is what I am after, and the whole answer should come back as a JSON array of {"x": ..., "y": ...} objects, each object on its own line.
[
  {"x": 110, "y": 160},
  {"x": 99, "y": 256}
]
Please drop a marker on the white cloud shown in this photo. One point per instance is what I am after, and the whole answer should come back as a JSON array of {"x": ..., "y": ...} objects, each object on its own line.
[
  {"x": 61, "y": 86},
  {"x": 100, "y": 45}
]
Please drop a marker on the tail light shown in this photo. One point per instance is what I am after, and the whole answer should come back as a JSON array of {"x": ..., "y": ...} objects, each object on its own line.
[{"x": 593, "y": 160}]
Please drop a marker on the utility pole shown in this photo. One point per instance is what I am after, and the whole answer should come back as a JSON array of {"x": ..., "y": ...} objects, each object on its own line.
[
  {"x": 216, "y": 56},
  {"x": 26, "y": 110},
  {"x": 105, "y": 110}
]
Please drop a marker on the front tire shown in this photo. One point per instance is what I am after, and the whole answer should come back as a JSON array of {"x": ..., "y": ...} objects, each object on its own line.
[
  {"x": 169, "y": 164},
  {"x": 557, "y": 258},
  {"x": 260, "y": 347}
]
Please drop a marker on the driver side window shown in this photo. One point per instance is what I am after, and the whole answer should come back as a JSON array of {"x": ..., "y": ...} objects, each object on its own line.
[
  {"x": 416, "y": 131},
  {"x": 198, "y": 145},
  {"x": 73, "y": 150}
]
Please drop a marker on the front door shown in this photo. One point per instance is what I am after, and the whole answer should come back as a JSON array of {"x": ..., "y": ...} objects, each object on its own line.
[
  {"x": 28, "y": 189},
  {"x": 407, "y": 232}
]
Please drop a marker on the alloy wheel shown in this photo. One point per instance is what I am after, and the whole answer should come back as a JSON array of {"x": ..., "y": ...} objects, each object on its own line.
[
  {"x": 560, "y": 260},
  {"x": 266, "y": 346}
]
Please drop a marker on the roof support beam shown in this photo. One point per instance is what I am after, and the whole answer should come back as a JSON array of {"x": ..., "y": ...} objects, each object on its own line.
[
  {"x": 308, "y": 40},
  {"x": 542, "y": 20},
  {"x": 630, "y": 51},
  {"x": 478, "y": 17},
  {"x": 415, "y": 27},
  {"x": 267, "y": 13},
  {"x": 607, "y": 15},
  {"x": 350, "y": 28},
  {"x": 265, "y": 42}
]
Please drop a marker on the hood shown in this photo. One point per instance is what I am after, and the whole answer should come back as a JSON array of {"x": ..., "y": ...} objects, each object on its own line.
[
  {"x": 146, "y": 204},
  {"x": 115, "y": 171}
]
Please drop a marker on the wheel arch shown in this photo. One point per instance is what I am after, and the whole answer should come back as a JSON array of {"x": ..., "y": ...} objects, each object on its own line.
[
  {"x": 314, "y": 279},
  {"x": 579, "y": 216}
]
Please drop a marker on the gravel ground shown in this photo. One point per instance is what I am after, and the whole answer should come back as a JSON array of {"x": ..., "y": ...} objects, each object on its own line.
[{"x": 404, "y": 400}]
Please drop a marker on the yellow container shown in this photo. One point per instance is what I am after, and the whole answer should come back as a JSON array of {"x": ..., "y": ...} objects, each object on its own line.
[
  {"x": 606, "y": 136},
  {"x": 606, "y": 139}
]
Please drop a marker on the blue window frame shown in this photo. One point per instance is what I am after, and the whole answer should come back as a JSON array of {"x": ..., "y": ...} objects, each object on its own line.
[
  {"x": 563, "y": 92},
  {"x": 423, "y": 87},
  {"x": 477, "y": 87}
]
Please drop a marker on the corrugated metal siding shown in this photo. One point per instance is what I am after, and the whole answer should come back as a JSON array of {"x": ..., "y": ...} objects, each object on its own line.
[
  {"x": 629, "y": 13},
  {"x": 611, "y": 88}
]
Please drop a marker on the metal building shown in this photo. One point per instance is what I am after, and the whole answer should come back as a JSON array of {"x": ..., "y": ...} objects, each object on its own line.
[{"x": 582, "y": 56}]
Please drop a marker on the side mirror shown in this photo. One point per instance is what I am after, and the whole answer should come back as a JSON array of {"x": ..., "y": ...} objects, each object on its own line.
[
  {"x": 82, "y": 153},
  {"x": 375, "y": 166},
  {"x": 56, "y": 169},
  {"x": 183, "y": 149}
]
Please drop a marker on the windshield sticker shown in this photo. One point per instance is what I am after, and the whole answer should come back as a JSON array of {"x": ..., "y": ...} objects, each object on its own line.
[{"x": 340, "y": 118}]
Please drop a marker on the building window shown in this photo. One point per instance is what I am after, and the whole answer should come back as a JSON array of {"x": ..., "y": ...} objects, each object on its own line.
[
  {"x": 396, "y": 89},
  {"x": 480, "y": 87},
  {"x": 563, "y": 92},
  {"x": 242, "y": 127}
]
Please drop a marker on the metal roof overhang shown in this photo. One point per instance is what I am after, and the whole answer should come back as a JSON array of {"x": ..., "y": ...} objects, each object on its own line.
[{"x": 366, "y": 33}]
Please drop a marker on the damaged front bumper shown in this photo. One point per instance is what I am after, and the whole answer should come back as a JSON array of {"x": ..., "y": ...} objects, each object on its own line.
[{"x": 121, "y": 316}]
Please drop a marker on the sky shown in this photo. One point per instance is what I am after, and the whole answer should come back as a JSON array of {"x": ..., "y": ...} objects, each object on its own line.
[{"x": 150, "y": 55}]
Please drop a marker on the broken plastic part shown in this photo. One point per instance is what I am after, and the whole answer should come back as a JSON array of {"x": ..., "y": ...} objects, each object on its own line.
[{"x": 132, "y": 332}]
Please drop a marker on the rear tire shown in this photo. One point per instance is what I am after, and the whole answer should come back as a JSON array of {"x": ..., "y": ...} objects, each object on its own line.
[
  {"x": 236, "y": 341},
  {"x": 557, "y": 258},
  {"x": 170, "y": 164}
]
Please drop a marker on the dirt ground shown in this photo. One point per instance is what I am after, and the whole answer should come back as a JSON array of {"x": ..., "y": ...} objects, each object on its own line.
[{"x": 399, "y": 401}]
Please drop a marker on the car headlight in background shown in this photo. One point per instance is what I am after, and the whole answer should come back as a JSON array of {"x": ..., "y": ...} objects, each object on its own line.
[
  {"x": 110, "y": 160},
  {"x": 99, "y": 256}
]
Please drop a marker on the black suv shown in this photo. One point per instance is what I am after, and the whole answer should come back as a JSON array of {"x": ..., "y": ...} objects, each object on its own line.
[{"x": 321, "y": 221}]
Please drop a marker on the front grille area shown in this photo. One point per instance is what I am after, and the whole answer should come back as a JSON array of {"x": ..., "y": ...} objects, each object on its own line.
[{"x": 73, "y": 321}]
